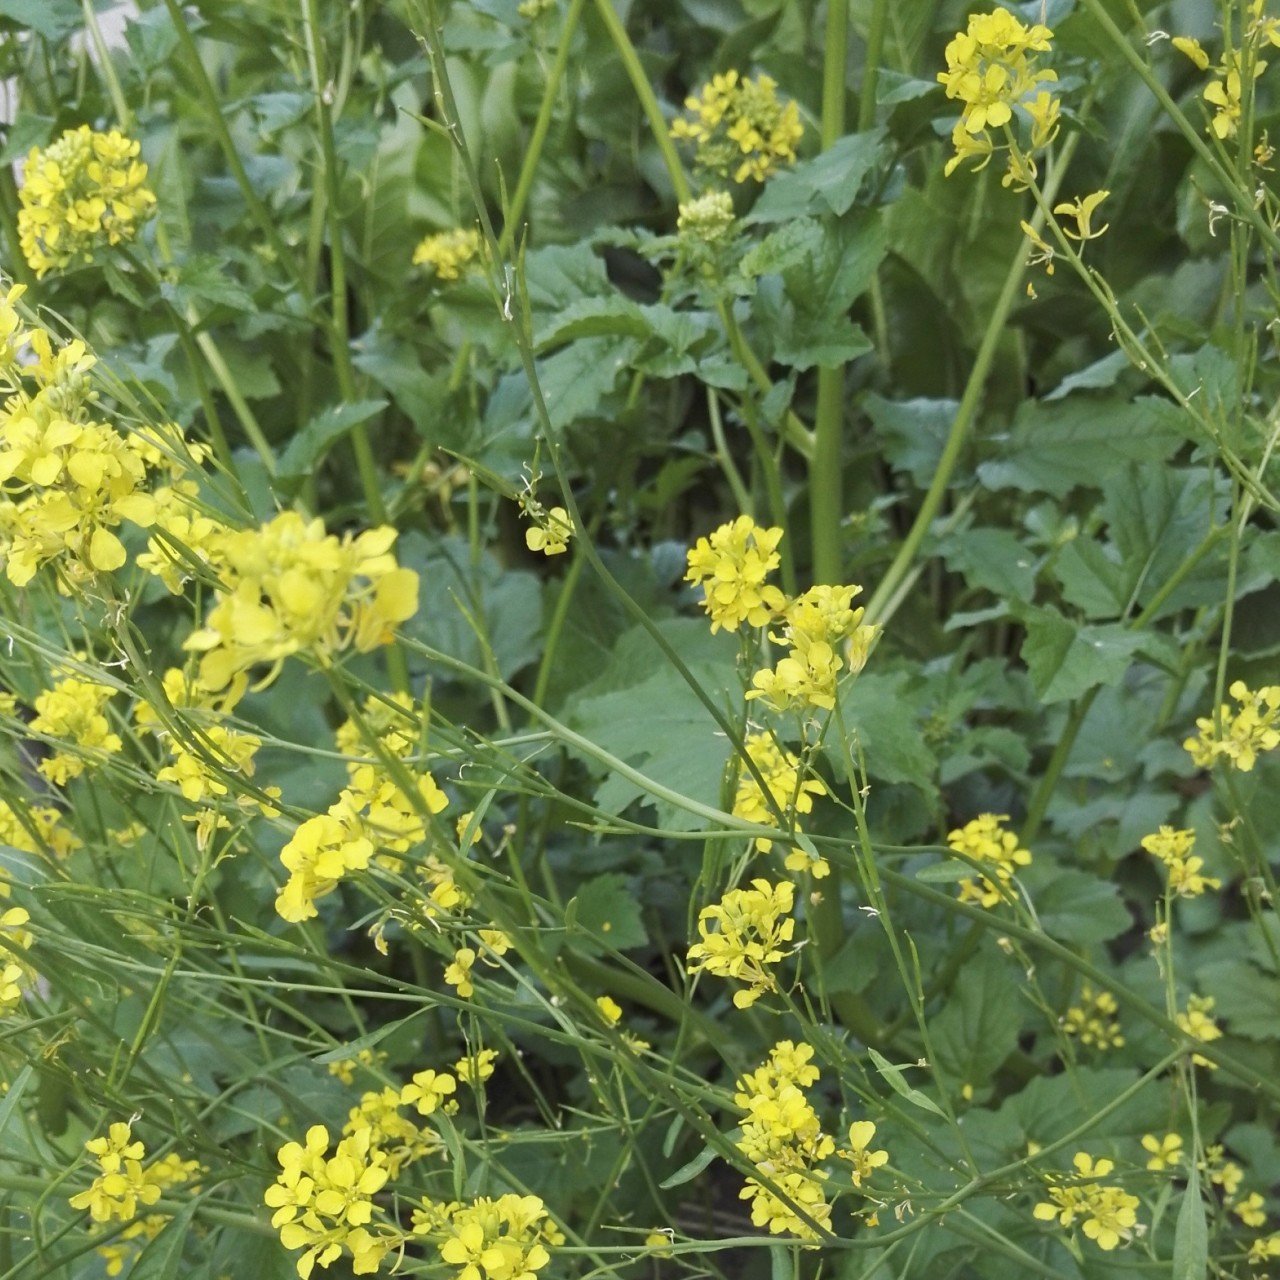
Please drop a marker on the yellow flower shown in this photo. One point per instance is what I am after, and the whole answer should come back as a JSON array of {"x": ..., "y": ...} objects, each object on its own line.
[
  {"x": 288, "y": 587},
  {"x": 1081, "y": 210},
  {"x": 448, "y": 253},
  {"x": 551, "y": 531},
  {"x": 731, "y": 567},
  {"x": 1193, "y": 50},
  {"x": 1249, "y": 1210},
  {"x": 123, "y": 1182},
  {"x": 1165, "y": 1153},
  {"x": 791, "y": 793},
  {"x": 739, "y": 127},
  {"x": 610, "y": 1009},
  {"x": 458, "y": 974},
  {"x": 477, "y": 1068},
  {"x": 1196, "y": 1023},
  {"x": 865, "y": 1161},
  {"x": 80, "y": 194},
  {"x": 991, "y": 69},
  {"x": 71, "y": 714},
  {"x": 1108, "y": 1215}
]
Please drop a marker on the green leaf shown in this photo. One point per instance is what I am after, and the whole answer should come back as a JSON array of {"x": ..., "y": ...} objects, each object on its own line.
[
  {"x": 607, "y": 906},
  {"x": 9, "y": 1103},
  {"x": 883, "y": 712},
  {"x": 1053, "y": 448},
  {"x": 687, "y": 1172},
  {"x": 162, "y": 1257},
  {"x": 1081, "y": 909},
  {"x": 1191, "y": 1233},
  {"x": 205, "y": 277},
  {"x": 49, "y": 18},
  {"x": 308, "y": 447},
  {"x": 893, "y": 1078},
  {"x": 978, "y": 1026},
  {"x": 829, "y": 183},
  {"x": 993, "y": 559},
  {"x": 1065, "y": 660},
  {"x": 911, "y": 433}
]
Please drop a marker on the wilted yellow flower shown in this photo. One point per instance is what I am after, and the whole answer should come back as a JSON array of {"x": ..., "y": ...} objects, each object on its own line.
[{"x": 1081, "y": 211}]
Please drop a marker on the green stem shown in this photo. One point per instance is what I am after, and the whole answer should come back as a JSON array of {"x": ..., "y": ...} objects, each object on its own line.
[
  {"x": 871, "y": 73},
  {"x": 537, "y": 139},
  {"x": 340, "y": 336},
  {"x": 970, "y": 400},
  {"x": 213, "y": 117},
  {"x": 826, "y": 488}
]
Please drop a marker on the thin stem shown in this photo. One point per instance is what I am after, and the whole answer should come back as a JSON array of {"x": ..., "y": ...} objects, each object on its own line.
[
  {"x": 541, "y": 125},
  {"x": 826, "y": 487},
  {"x": 967, "y": 412}
]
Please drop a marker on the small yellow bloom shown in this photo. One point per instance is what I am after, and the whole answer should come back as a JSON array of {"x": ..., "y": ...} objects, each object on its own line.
[
  {"x": 1165, "y": 1153},
  {"x": 1081, "y": 210}
]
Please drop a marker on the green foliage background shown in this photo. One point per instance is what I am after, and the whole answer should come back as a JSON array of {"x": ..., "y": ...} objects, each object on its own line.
[{"x": 1096, "y": 563}]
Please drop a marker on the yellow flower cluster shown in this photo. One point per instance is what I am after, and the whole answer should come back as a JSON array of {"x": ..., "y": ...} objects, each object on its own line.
[
  {"x": 34, "y": 829},
  {"x": 364, "y": 1060},
  {"x": 123, "y": 1181},
  {"x": 743, "y": 935},
  {"x": 504, "y": 1238},
  {"x": 1225, "y": 92},
  {"x": 986, "y": 842},
  {"x": 81, "y": 193},
  {"x": 1196, "y": 1021},
  {"x": 731, "y": 567},
  {"x": 1094, "y": 1020},
  {"x": 991, "y": 69},
  {"x": 791, "y": 792},
  {"x": 72, "y": 713},
  {"x": 324, "y": 1203},
  {"x": 739, "y": 127},
  {"x": 289, "y": 587},
  {"x": 448, "y": 253},
  {"x": 204, "y": 754},
  {"x": 1173, "y": 848},
  {"x": 1107, "y": 1214},
  {"x": 120, "y": 1251},
  {"x": 1244, "y": 734},
  {"x": 824, "y": 633},
  {"x": 782, "y": 1136},
  {"x": 67, "y": 482},
  {"x": 396, "y": 1136}
]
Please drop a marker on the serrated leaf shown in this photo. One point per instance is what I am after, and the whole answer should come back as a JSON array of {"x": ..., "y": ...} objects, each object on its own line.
[
  {"x": 1065, "y": 660},
  {"x": 892, "y": 1076},
  {"x": 977, "y": 1028},
  {"x": 912, "y": 433},
  {"x": 829, "y": 183},
  {"x": 1080, "y": 909},
  {"x": 607, "y": 906},
  {"x": 309, "y": 445}
]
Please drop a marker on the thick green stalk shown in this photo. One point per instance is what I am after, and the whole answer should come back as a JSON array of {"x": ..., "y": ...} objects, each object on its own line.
[
  {"x": 826, "y": 487},
  {"x": 871, "y": 72}
]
